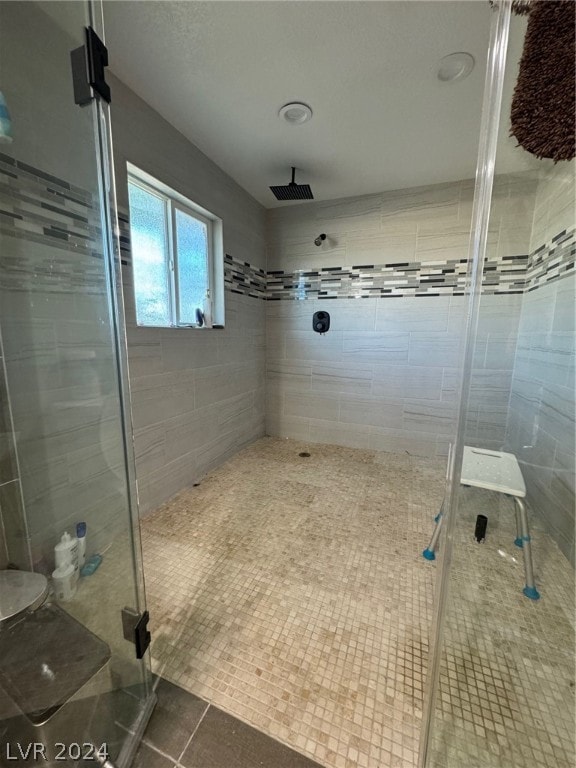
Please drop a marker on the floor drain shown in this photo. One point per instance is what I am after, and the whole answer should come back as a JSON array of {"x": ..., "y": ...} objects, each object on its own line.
[{"x": 304, "y": 455}]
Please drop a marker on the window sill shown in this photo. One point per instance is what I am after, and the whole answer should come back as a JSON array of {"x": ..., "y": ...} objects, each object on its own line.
[{"x": 183, "y": 327}]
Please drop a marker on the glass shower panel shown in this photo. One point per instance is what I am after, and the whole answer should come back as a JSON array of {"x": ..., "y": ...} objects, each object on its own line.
[
  {"x": 506, "y": 688},
  {"x": 67, "y": 672}
]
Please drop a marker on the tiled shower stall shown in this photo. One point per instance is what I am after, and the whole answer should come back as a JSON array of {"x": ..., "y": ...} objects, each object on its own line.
[
  {"x": 239, "y": 533},
  {"x": 392, "y": 273},
  {"x": 392, "y": 276}
]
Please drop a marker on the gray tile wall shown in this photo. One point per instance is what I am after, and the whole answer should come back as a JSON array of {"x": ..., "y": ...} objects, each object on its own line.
[
  {"x": 385, "y": 375},
  {"x": 3, "y": 550},
  {"x": 420, "y": 224},
  {"x": 197, "y": 395},
  {"x": 61, "y": 379},
  {"x": 38, "y": 90},
  {"x": 541, "y": 420},
  {"x": 195, "y": 399},
  {"x": 14, "y": 549},
  {"x": 54, "y": 312},
  {"x": 7, "y": 455}
]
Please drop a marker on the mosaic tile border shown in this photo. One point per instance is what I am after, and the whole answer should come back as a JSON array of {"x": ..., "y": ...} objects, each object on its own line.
[
  {"x": 242, "y": 277},
  {"x": 430, "y": 278},
  {"x": 505, "y": 275},
  {"x": 39, "y": 206},
  {"x": 42, "y": 208},
  {"x": 553, "y": 260}
]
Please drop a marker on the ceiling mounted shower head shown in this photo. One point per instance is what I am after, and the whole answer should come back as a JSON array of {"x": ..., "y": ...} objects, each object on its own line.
[{"x": 293, "y": 191}]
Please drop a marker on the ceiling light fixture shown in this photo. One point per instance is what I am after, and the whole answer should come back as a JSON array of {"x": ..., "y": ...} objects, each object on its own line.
[
  {"x": 295, "y": 113},
  {"x": 455, "y": 66}
]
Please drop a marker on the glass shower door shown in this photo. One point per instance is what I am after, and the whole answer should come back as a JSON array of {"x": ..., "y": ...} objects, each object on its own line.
[
  {"x": 502, "y": 686},
  {"x": 69, "y": 672}
]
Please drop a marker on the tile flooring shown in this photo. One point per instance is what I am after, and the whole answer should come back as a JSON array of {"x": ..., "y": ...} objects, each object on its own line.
[
  {"x": 290, "y": 592},
  {"x": 187, "y": 731},
  {"x": 507, "y": 680}
]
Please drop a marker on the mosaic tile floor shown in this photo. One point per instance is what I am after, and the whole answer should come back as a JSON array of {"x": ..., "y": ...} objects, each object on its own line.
[
  {"x": 291, "y": 593},
  {"x": 507, "y": 688}
]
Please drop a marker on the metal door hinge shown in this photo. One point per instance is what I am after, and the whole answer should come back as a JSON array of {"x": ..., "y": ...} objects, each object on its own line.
[
  {"x": 135, "y": 630},
  {"x": 88, "y": 64}
]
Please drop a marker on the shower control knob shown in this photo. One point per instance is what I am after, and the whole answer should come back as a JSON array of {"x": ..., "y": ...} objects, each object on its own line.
[{"x": 321, "y": 322}]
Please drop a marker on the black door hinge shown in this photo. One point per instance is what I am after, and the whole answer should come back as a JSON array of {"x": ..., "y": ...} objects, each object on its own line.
[
  {"x": 135, "y": 630},
  {"x": 88, "y": 64}
]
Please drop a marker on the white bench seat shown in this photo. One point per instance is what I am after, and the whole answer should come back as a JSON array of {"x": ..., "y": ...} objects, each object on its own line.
[{"x": 495, "y": 471}]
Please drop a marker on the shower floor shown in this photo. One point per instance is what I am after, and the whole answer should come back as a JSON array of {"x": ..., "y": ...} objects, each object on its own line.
[
  {"x": 290, "y": 592},
  {"x": 507, "y": 678}
]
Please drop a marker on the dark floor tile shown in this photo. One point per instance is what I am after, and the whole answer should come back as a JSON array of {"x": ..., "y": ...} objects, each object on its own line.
[
  {"x": 221, "y": 741},
  {"x": 175, "y": 716},
  {"x": 146, "y": 757}
]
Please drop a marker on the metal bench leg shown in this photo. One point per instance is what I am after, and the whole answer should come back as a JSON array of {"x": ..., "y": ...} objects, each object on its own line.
[
  {"x": 430, "y": 551},
  {"x": 518, "y": 539},
  {"x": 530, "y": 589}
]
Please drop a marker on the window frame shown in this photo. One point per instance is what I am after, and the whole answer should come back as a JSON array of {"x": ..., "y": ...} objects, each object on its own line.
[{"x": 173, "y": 201}]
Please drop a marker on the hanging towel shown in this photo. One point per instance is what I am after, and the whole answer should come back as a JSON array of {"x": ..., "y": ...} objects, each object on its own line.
[{"x": 543, "y": 113}]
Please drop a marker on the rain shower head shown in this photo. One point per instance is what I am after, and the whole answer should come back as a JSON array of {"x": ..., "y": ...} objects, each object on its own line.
[{"x": 293, "y": 191}]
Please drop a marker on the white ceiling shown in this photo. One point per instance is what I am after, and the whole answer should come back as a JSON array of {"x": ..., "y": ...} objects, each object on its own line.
[{"x": 220, "y": 71}]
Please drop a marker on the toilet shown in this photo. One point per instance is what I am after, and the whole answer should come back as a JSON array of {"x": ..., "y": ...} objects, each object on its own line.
[
  {"x": 55, "y": 676},
  {"x": 21, "y": 591}
]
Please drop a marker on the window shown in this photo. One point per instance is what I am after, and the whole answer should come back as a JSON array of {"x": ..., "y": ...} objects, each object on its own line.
[{"x": 177, "y": 257}]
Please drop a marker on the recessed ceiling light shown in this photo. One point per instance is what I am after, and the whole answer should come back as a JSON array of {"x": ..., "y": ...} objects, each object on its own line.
[
  {"x": 295, "y": 113},
  {"x": 455, "y": 66}
]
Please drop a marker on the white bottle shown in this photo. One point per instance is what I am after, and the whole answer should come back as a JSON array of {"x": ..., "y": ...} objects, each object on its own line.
[
  {"x": 66, "y": 552},
  {"x": 207, "y": 309},
  {"x": 64, "y": 582}
]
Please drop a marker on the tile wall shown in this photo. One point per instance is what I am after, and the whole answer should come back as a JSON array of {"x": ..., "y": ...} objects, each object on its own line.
[
  {"x": 541, "y": 420},
  {"x": 197, "y": 395},
  {"x": 8, "y": 470},
  {"x": 54, "y": 312},
  {"x": 13, "y": 545},
  {"x": 391, "y": 275},
  {"x": 60, "y": 365}
]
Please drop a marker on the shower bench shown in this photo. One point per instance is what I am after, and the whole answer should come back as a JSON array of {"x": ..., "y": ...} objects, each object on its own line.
[{"x": 500, "y": 472}]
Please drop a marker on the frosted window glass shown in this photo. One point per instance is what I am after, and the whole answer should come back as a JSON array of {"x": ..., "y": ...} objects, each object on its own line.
[
  {"x": 149, "y": 256},
  {"x": 192, "y": 254}
]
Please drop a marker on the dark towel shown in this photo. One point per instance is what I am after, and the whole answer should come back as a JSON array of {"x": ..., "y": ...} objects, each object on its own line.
[{"x": 543, "y": 108}]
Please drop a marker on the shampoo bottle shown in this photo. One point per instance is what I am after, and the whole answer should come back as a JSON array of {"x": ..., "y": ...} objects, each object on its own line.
[
  {"x": 81, "y": 536},
  {"x": 207, "y": 310}
]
